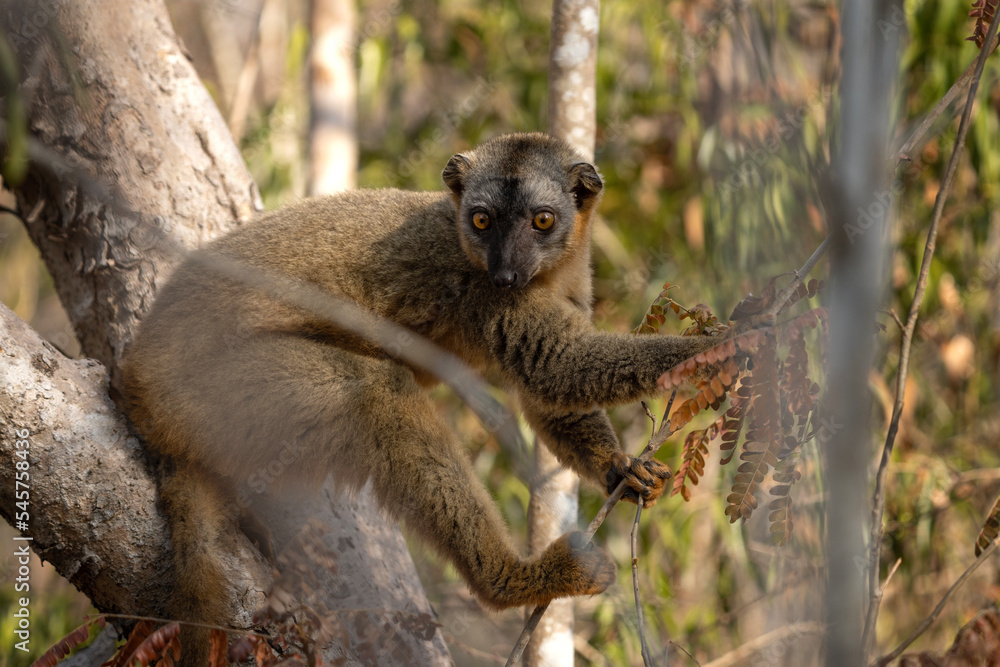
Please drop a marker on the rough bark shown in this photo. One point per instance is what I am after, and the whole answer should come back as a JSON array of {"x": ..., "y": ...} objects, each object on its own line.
[
  {"x": 108, "y": 89},
  {"x": 75, "y": 433},
  {"x": 91, "y": 498},
  {"x": 572, "y": 73},
  {"x": 553, "y": 507},
  {"x": 127, "y": 149},
  {"x": 132, "y": 165}
]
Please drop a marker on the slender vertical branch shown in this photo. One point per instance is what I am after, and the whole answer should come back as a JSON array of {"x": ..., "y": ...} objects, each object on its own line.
[
  {"x": 878, "y": 500},
  {"x": 647, "y": 658}
]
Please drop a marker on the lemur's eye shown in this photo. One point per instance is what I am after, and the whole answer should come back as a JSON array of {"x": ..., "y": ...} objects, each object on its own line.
[
  {"x": 480, "y": 220},
  {"x": 543, "y": 220}
]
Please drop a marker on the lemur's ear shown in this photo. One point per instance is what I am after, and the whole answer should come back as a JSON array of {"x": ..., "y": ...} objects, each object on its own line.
[
  {"x": 455, "y": 172},
  {"x": 585, "y": 184}
]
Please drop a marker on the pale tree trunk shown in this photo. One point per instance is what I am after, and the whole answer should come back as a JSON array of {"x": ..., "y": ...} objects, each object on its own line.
[
  {"x": 858, "y": 273},
  {"x": 333, "y": 145},
  {"x": 553, "y": 507},
  {"x": 132, "y": 164}
]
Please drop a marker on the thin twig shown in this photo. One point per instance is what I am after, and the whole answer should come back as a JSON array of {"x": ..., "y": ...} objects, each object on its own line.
[
  {"x": 655, "y": 440},
  {"x": 878, "y": 499},
  {"x": 647, "y": 658},
  {"x": 920, "y": 629},
  {"x": 671, "y": 642},
  {"x": 904, "y": 151},
  {"x": 800, "y": 275},
  {"x": 892, "y": 571},
  {"x": 649, "y": 414},
  {"x": 740, "y": 654},
  {"x": 895, "y": 318}
]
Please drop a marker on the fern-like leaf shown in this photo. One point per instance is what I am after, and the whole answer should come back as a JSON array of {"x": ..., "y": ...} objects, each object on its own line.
[
  {"x": 62, "y": 647},
  {"x": 982, "y": 11},
  {"x": 242, "y": 648},
  {"x": 158, "y": 644},
  {"x": 757, "y": 459},
  {"x": 655, "y": 315},
  {"x": 733, "y": 426},
  {"x": 693, "y": 456},
  {"x": 138, "y": 635},
  {"x": 784, "y": 476},
  {"x": 217, "y": 649},
  {"x": 760, "y": 451},
  {"x": 710, "y": 394},
  {"x": 797, "y": 389},
  {"x": 991, "y": 528},
  {"x": 679, "y": 374}
]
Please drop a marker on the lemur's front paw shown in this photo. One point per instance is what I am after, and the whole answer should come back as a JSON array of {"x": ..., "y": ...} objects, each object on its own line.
[
  {"x": 580, "y": 567},
  {"x": 644, "y": 479}
]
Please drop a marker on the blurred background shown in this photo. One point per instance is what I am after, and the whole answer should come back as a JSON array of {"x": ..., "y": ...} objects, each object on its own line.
[{"x": 714, "y": 134}]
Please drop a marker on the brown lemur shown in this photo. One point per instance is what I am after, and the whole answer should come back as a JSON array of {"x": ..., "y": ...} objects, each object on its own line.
[{"x": 496, "y": 270}]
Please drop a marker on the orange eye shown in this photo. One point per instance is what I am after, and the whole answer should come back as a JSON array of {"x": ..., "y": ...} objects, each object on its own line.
[
  {"x": 480, "y": 221},
  {"x": 544, "y": 220}
]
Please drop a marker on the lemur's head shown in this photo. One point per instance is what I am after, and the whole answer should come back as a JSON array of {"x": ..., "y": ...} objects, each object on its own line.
[{"x": 524, "y": 205}]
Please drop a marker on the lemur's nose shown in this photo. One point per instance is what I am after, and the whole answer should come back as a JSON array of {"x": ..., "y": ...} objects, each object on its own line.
[{"x": 505, "y": 278}]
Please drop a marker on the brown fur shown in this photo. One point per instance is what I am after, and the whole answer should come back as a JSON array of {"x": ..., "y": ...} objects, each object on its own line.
[{"x": 220, "y": 376}]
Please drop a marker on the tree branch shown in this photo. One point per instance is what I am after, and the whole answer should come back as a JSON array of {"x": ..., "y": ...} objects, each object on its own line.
[{"x": 907, "y": 148}]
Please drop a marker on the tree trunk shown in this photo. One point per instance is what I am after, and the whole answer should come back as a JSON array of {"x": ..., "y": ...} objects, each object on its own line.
[
  {"x": 858, "y": 272},
  {"x": 333, "y": 144},
  {"x": 89, "y": 490},
  {"x": 117, "y": 100},
  {"x": 553, "y": 507},
  {"x": 110, "y": 99},
  {"x": 132, "y": 164}
]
